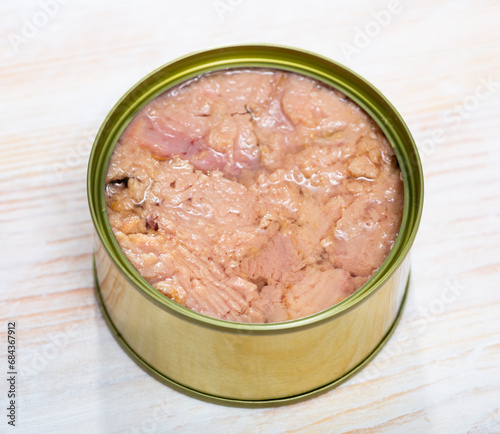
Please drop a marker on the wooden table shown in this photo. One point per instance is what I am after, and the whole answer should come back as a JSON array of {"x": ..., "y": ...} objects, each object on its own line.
[{"x": 63, "y": 66}]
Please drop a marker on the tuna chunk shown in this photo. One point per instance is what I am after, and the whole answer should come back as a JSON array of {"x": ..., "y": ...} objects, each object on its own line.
[{"x": 254, "y": 195}]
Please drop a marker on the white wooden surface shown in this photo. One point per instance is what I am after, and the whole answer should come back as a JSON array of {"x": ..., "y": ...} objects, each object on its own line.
[{"x": 58, "y": 79}]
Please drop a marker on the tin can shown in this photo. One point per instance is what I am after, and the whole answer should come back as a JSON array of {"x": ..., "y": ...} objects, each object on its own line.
[{"x": 251, "y": 364}]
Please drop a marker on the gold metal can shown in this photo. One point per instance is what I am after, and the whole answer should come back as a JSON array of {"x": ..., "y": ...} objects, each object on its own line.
[{"x": 251, "y": 364}]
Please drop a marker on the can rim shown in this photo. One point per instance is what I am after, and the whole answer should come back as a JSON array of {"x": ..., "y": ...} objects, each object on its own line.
[{"x": 285, "y": 58}]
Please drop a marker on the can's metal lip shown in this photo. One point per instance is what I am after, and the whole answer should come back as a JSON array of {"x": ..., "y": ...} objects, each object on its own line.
[{"x": 268, "y": 56}]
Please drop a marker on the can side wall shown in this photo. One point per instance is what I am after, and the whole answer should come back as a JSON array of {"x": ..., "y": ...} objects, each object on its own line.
[{"x": 247, "y": 365}]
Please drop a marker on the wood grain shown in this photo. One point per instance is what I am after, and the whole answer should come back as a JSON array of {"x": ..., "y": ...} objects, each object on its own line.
[{"x": 440, "y": 372}]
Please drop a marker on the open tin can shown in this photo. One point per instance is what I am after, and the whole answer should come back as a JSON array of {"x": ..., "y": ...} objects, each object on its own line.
[{"x": 240, "y": 363}]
